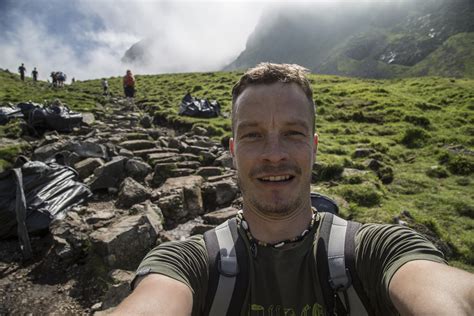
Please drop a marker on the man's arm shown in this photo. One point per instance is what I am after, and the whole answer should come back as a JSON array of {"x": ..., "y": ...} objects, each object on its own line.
[
  {"x": 424, "y": 287},
  {"x": 157, "y": 294}
]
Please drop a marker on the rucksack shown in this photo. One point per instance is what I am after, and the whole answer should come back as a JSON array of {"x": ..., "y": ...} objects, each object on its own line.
[{"x": 229, "y": 276}]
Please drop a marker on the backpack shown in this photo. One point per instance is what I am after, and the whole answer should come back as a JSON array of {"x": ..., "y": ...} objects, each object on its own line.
[{"x": 228, "y": 265}]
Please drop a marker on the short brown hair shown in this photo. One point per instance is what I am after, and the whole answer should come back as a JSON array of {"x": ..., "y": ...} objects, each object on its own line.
[{"x": 268, "y": 73}]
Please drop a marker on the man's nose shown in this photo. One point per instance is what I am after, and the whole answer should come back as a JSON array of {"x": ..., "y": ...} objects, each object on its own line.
[{"x": 274, "y": 150}]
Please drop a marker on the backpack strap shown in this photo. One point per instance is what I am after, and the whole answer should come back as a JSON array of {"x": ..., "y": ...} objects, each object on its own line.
[
  {"x": 228, "y": 270},
  {"x": 338, "y": 235},
  {"x": 323, "y": 203}
]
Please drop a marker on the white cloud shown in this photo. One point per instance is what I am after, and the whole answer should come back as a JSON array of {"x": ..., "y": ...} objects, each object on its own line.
[{"x": 191, "y": 36}]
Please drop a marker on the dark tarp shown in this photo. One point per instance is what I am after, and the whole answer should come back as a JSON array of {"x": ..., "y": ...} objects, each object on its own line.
[
  {"x": 34, "y": 195},
  {"x": 41, "y": 118},
  {"x": 199, "y": 107}
]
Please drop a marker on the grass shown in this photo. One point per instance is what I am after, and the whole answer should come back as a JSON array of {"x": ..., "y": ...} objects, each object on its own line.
[{"x": 420, "y": 131}]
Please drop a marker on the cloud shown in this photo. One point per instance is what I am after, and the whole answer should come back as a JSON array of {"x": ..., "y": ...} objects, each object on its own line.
[{"x": 87, "y": 38}]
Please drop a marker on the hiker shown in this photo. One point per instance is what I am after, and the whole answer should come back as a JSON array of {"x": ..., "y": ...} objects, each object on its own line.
[
  {"x": 105, "y": 86},
  {"x": 22, "y": 71},
  {"x": 54, "y": 78},
  {"x": 73, "y": 80},
  {"x": 283, "y": 255},
  {"x": 34, "y": 74},
  {"x": 129, "y": 84}
]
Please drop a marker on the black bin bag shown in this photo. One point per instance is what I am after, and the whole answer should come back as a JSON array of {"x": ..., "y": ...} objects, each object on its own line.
[
  {"x": 191, "y": 106},
  {"x": 37, "y": 193}
]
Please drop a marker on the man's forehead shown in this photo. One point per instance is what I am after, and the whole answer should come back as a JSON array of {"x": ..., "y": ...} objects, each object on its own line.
[{"x": 256, "y": 122}]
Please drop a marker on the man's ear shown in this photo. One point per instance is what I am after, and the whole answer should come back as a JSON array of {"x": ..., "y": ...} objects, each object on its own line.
[
  {"x": 231, "y": 147},
  {"x": 315, "y": 143}
]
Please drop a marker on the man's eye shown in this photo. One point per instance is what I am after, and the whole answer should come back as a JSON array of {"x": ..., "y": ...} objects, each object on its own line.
[
  {"x": 295, "y": 133},
  {"x": 251, "y": 135}
]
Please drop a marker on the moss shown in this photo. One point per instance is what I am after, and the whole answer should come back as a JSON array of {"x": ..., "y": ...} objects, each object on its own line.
[
  {"x": 363, "y": 195},
  {"x": 415, "y": 138}
]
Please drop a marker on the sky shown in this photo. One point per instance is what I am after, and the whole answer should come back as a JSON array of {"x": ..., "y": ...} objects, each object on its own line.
[{"x": 86, "y": 39}]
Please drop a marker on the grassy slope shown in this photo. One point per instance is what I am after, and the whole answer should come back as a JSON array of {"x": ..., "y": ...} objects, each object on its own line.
[{"x": 351, "y": 113}]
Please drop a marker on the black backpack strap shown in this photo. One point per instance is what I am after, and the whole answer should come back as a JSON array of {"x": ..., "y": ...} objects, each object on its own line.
[
  {"x": 359, "y": 300},
  {"x": 323, "y": 203},
  {"x": 228, "y": 270}
]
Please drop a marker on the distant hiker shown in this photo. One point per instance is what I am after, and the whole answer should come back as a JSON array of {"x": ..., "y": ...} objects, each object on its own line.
[
  {"x": 54, "y": 79},
  {"x": 34, "y": 74},
  {"x": 73, "y": 80},
  {"x": 129, "y": 84},
  {"x": 105, "y": 86},
  {"x": 22, "y": 71}
]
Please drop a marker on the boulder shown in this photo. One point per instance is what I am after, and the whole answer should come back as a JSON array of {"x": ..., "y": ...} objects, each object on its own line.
[
  {"x": 42, "y": 153},
  {"x": 162, "y": 172},
  {"x": 219, "y": 216},
  {"x": 110, "y": 175},
  {"x": 88, "y": 149},
  {"x": 225, "y": 160},
  {"x": 146, "y": 121},
  {"x": 362, "y": 152},
  {"x": 137, "y": 169},
  {"x": 87, "y": 166},
  {"x": 137, "y": 144},
  {"x": 119, "y": 289},
  {"x": 226, "y": 191},
  {"x": 123, "y": 244},
  {"x": 131, "y": 192},
  {"x": 209, "y": 171}
]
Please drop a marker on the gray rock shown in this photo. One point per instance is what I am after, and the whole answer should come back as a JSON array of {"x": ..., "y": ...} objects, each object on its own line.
[
  {"x": 226, "y": 191},
  {"x": 199, "y": 130},
  {"x": 99, "y": 216},
  {"x": 119, "y": 289},
  {"x": 219, "y": 216},
  {"x": 196, "y": 150},
  {"x": 123, "y": 244},
  {"x": 87, "y": 166},
  {"x": 225, "y": 160},
  {"x": 373, "y": 164},
  {"x": 137, "y": 169},
  {"x": 146, "y": 121},
  {"x": 88, "y": 149},
  {"x": 209, "y": 171},
  {"x": 44, "y": 152},
  {"x": 162, "y": 172},
  {"x": 126, "y": 153},
  {"x": 200, "y": 229},
  {"x": 110, "y": 175},
  {"x": 131, "y": 192},
  {"x": 138, "y": 144},
  {"x": 88, "y": 118},
  {"x": 362, "y": 152}
]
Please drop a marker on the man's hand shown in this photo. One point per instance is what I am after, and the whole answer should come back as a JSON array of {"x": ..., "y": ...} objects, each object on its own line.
[
  {"x": 159, "y": 295},
  {"x": 424, "y": 287}
]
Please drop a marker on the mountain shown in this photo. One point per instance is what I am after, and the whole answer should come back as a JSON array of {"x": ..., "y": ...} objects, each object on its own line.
[{"x": 375, "y": 40}]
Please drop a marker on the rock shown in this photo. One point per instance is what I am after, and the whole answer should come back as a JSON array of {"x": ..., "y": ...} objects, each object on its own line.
[
  {"x": 174, "y": 143},
  {"x": 200, "y": 229},
  {"x": 162, "y": 172},
  {"x": 70, "y": 239},
  {"x": 207, "y": 157},
  {"x": 225, "y": 160},
  {"x": 163, "y": 157},
  {"x": 182, "y": 172},
  {"x": 88, "y": 118},
  {"x": 87, "y": 166},
  {"x": 99, "y": 216},
  {"x": 133, "y": 136},
  {"x": 123, "y": 244},
  {"x": 362, "y": 152},
  {"x": 199, "y": 130},
  {"x": 131, "y": 192},
  {"x": 226, "y": 191},
  {"x": 196, "y": 150},
  {"x": 138, "y": 144},
  {"x": 137, "y": 169},
  {"x": 172, "y": 208},
  {"x": 126, "y": 153},
  {"x": 119, "y": 289},
  {"x": 219, "y": 216},
  {"x": 373, "y": 164},
  {"x": 189, "y": 188},
  {"x": 88, "y": 149},
  {"x": 146, "y": 121},
  {"x": 351, "y": 172},
  {"x": 109, "y": 175},
  {"x": 44, "y": 152},
  {"x": 209, "y": 171}
]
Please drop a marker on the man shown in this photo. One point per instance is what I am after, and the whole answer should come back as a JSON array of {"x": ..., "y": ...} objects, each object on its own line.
[
  {"x": 274, "y": 147},
  {"x": 22, "y": 71},
  {"x": 34, "y": 74},
  {"x": 129, "y": 84},
  {"x": 105, "y": 86}
]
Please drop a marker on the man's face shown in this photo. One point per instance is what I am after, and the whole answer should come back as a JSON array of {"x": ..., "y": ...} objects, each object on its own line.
[{"x": 274, "y": 148}]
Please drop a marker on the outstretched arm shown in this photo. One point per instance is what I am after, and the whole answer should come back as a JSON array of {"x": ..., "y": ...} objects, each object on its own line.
[
  {"x": 159, "y": 295},
  {"x": 424, "y": 287}
]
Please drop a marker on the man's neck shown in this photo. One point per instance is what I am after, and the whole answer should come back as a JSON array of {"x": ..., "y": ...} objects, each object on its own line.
[{"x": 273, "y": 229}]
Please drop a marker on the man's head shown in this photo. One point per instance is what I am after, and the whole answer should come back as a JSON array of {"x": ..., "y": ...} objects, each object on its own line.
[
  {"x": 267, "y": 73},
  {"x": 273, "y": 142}
]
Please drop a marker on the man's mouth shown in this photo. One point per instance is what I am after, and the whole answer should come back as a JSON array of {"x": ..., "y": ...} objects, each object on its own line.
[{"x": 282, "y": 178}]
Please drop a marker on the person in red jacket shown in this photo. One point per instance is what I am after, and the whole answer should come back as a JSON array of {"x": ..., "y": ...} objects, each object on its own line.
[{"x": 129, "y": 84}]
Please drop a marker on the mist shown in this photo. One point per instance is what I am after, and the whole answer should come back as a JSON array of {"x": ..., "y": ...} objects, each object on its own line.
[{"x": 87, "y": 38}]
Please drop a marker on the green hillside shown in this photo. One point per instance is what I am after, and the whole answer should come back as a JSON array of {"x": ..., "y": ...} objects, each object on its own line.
[{"x": 418, "y": 133}]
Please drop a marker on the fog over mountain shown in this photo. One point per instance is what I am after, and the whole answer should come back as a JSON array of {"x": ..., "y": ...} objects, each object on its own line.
[
  {"x": 88, "y": 38},
  {"x": 367, "y": 39}
]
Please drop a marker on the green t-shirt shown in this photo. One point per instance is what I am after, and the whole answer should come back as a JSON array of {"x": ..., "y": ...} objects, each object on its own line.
[{"x": 285, "y": 281}]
